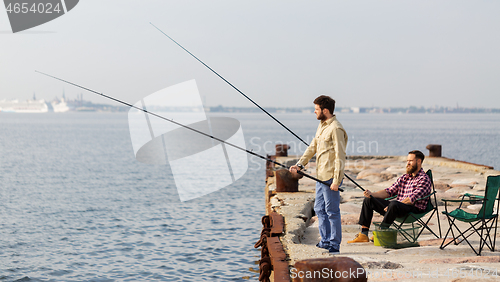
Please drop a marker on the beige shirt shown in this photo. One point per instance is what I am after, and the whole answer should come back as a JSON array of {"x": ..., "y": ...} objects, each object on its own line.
[{"x": 329, "y": 145}]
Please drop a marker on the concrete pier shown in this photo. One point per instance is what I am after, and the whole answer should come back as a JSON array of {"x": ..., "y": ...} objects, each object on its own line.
[{"x": 424, "y": 262}]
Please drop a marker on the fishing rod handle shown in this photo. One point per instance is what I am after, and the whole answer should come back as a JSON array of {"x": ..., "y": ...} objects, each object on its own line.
[{"x": 314, "y": 178}]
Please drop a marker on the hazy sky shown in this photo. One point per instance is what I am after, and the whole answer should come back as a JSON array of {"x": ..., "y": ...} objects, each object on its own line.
[{"x": 280, "y": 53}]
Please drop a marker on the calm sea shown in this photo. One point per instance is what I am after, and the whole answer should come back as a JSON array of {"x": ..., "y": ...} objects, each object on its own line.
[{"x": 75, "y": 205}]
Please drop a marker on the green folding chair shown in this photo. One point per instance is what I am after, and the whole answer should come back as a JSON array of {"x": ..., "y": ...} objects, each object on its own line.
[
  {"x": 480, "y": 223},
  {"x": 416, "y": 220}
]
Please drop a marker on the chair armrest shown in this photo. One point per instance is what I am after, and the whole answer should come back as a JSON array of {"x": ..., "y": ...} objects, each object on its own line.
[
  {"x": 462, "y": 200},
  {"x": 424, "y": 197},
  {"x": 475, "y": 196}
]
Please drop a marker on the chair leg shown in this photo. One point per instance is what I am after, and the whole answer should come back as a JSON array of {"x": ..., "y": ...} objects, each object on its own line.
[
  {"x": 467, "y": 241},
  {"x": 486, "y": 232},
  {"x": 451, "y": 222},
  {"x": 445, "y": 236},
  {"x": 424, "y": 225},
  {"x": 481, "y": 241},
  {"x": 473, "y": 230},
  {"x": 461, "y": 234},
  {"x": 490, "y": 245},
  {"x": 495, "y": 234},
  {"x": 439, "y": 222}
]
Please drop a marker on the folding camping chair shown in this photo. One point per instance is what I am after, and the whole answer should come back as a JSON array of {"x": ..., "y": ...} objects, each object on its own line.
[
  {"x": 412, "y": 234},
  {"x": 478, "y": 222}
]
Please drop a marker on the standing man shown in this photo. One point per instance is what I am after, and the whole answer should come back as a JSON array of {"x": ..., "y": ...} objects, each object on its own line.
[
  {"x": 329, "y": 145},
  {"x": 414, "y": 184}
]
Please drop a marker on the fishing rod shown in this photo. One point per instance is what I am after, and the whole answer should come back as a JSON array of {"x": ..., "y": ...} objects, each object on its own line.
[
  {"x": 187, "y": 127},
  {"x": 225, "y": 80}
]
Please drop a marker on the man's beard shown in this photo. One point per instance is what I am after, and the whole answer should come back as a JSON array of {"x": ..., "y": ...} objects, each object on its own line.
[
  {"x": 321, "y": 117},
  {"x": 411, "y": 169}
]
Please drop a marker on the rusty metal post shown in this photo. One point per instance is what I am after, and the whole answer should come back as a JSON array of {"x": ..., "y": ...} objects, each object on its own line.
[
  {"x": 282, "y": 150},
  {"x": 434, "y": 150},
  {"x": 287, "y": 181},
  {"x": 270, "y": 166},
  {"x": 329, "y": 269}
]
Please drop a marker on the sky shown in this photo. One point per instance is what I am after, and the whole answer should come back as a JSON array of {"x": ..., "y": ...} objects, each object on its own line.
[{"x": 279, "y": 53}]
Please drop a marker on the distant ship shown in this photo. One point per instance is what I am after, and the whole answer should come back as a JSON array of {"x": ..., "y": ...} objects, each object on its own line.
[
  {"x": 28, "y": 106},
  {"x": 60, "y": 106}
]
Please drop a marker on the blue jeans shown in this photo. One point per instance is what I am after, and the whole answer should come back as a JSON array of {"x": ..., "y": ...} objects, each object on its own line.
[{"x": 327, "y": 209}]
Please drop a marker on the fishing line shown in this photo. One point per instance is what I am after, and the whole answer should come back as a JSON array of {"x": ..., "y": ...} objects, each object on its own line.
[
  {"x": 187, "y": 127},
  {"x": 225, "y": 80}
]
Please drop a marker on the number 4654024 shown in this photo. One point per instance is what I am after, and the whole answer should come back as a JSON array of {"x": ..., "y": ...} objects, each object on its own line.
[{"x": 39, "y": 8}]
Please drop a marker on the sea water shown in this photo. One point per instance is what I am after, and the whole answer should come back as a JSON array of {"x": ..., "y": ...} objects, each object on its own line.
[{"x": 75, "y": 205}]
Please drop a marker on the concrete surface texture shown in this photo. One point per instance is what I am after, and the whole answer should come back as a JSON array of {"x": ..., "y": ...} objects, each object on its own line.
[{"x": 425, "y": 262}]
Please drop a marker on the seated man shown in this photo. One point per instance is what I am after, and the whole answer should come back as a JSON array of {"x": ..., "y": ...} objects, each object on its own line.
[{"x": 413, "y": 185}]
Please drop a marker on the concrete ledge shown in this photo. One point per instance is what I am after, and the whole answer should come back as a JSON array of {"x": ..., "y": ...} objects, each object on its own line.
[{"x": 453, "y": 178}]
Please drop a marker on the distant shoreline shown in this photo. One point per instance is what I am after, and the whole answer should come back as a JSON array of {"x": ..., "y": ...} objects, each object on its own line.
[
  {"x": 87, "y": 106},
  {"x": 359, "y": 110}
]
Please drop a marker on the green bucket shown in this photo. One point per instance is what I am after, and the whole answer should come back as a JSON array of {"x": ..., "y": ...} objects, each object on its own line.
[{"x": 385, "y": 237}]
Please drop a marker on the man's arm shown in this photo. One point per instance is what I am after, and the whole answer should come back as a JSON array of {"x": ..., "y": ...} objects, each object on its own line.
[
  {"x": 308, "y": 154},
  {"x": 382, "y": 194},
  {"x": 339, "y": 138}
]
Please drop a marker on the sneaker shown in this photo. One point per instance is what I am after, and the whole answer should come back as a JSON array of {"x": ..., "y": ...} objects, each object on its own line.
[
  {"x": 360, "y": 238},
  {"x": 321, "y": 246},
  {"x": 334, "y": 251},
  {"x": 372, "y": 238}
]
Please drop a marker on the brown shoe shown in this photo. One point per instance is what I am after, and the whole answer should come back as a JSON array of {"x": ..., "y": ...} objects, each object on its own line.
[{"x": 360, "y": 238}]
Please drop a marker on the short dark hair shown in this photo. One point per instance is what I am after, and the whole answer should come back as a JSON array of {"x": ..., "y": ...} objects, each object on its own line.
[
  {"x": 418, "y": 154},
  {"x": 325, "y": 102}
]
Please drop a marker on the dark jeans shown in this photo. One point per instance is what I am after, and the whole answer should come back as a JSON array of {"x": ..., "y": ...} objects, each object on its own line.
[{"x": 395, "y": 209}]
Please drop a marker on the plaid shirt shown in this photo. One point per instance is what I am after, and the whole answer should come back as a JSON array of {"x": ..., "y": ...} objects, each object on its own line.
[{"x": 412, "y": 187}]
